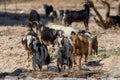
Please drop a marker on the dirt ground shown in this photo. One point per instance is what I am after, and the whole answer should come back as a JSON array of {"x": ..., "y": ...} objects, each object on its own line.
[{"x": 13, "y": 54}]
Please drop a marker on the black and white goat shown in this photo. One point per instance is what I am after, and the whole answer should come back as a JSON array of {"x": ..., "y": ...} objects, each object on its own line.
[
  {"x": 26, "y": 40},
  {"x": 49, "y": 35},
  {"x": 41, "y": 55},
  {"x": 64, "y": 56},
  {"x": 77, "y": 16},
  {"x": 57, "y": 15},
  {"x": 37, "y": 49},
  {"x": 48, "y": 9}
]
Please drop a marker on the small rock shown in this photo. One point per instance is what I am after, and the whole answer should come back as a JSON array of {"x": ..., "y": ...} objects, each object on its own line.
[
  {"x": 31, "y": 78},
  {"x": 11, "y": 78}
]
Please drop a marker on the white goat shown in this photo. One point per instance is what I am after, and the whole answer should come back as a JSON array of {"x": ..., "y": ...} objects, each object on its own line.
[{"x": 67, "y": 30}]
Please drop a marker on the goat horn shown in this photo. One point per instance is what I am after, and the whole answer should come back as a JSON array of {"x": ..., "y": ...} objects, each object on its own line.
[{"x": 36, "y": 22}]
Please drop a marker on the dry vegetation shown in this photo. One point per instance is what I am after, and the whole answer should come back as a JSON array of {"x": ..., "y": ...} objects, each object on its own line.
[{"x": 13, "y": 54}]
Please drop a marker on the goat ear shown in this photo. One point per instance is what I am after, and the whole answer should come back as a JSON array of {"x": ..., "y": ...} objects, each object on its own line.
[
  {"x": 41, "y": 28},
  {"x": 73, "y": 33},
  {"x": 23, "y": 40},
  {"x": 95, "y": 37},
  {"x": 29, "y": 24}
]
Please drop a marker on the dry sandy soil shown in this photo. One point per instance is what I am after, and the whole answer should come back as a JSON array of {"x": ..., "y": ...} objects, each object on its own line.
[{"x": 13, "y": 54}]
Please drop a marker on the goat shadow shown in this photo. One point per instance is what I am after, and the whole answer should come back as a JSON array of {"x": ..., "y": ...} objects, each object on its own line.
[
  {"x": 19, "y": 71},
  {"x": 13, "y": 19},
  {"x": 92, "y": 64}
]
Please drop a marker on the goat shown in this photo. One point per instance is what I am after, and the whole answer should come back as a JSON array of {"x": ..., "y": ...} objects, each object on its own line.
[
  {"x": 49, "y": 35},
  {"x": 94, "y": 46},
  {"x": 48, "y": 9},
  {"x": 77, "y": 16},
  {"x": 34, "y": 20},
  {"x": 26, "y": 40},
  {"x": 80, "y": 46},
  {"x": 114, "y": 20},
  {"x": 33, "y": 45},
  {"x": 93, "y": 42},
  {"x": 57, "y": 15},
  {"x": 65, "y": 31},
  {"x": 40, "y": 56},
  {"x": 111, "y": 21},
  {"x": 64, "y": 55}
]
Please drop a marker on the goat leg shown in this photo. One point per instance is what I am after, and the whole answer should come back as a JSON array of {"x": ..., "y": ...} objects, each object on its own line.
[
  {"x": 80, "y": 62},
  {"x": 70, "y": 63},
  {"x": 74, "y": 62},
  {"x": 34, "y": 62},
  {"x": 58, "y": 67},
  {"x": 86, "y": 54},
  {"x": 28, "y": 55},
  {"x": 40, "y": 67},
  {"x": 27, "y": 60},
  {"x": 86, "y": 25}
]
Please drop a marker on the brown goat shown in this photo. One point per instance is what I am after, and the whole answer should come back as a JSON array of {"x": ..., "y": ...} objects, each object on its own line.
[
  {"x": 80, "y": 46},
  {"x": 93, "y": 42},
  {"x": 94, "y": 46}
]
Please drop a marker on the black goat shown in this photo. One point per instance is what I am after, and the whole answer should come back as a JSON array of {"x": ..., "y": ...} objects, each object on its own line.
[
  {"x": 114, "y": 21},
  {"x": 77, "y": 16},
  {"x": 34, "y": 19},
  {"x": 48, "y": 9}
]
